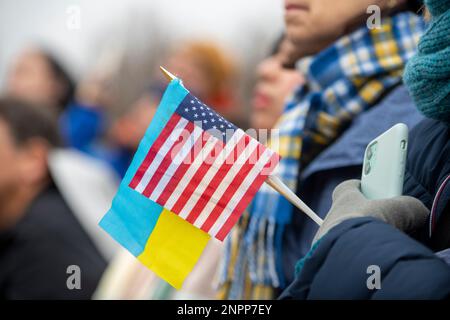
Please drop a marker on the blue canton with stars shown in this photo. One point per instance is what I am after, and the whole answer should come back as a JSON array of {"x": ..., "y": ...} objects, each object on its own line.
[{"x": 192, "y": 109}]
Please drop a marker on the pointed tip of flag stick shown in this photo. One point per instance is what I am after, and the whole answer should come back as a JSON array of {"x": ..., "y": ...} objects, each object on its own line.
[{"x": 169, "y": 76}]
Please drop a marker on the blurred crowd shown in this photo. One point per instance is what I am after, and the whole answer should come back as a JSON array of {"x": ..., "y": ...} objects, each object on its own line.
[{"x": 330, "y": 84}]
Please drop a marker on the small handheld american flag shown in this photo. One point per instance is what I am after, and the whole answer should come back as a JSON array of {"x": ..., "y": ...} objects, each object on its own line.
[
  {"x": 203, "y": 168},
  {"x": 274, "y": 181}
]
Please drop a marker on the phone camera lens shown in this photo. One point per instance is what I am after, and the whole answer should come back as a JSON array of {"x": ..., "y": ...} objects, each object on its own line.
[
  {"x": 403, "y": 144},
  {"x": 367, "y": 168}
]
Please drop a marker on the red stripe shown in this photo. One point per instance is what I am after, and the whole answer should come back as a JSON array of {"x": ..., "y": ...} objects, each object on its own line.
[
  {"x": 218, "y": 177},
  {"x": 245, "y": 201},
  {"x": 229, "y": 192},
  {"x": 197, "y": 178},
  {"x": 184, "y": 166},
  {"x": 165, "y": 133},
  {"x": 168, "y": 159}
]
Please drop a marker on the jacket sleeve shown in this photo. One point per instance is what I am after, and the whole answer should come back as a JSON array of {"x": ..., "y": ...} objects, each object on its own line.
[{"x": 341, "y": 265}]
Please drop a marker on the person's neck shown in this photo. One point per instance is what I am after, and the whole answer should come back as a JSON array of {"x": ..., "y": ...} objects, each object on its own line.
[{"x": 15, "y": 205}]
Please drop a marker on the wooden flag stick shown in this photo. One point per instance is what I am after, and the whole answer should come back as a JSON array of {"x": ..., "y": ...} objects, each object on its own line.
[
  {"x": 167, "y": 74},
  {"x": 274, "y": 181},
  {"x": 279, "y": 186}
]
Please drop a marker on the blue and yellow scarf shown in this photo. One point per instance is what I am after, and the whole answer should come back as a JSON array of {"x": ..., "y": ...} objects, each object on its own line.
[{"x": 342, "y": 81}]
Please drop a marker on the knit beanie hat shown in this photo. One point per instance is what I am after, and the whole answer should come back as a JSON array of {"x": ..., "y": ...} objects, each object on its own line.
[
  {"x": 437, "y": 7},
  {"x": 427, "y": 74}
]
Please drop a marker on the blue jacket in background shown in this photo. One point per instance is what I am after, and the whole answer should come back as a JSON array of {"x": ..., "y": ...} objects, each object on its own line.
[
  {"x": 82, "y": 128},
  {"x": 339, "y": 162},
  {"x": 81, "y": 125},
  {"x": 337, "y": 266}
]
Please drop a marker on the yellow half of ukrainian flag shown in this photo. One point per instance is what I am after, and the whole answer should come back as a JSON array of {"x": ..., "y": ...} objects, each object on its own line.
[
  {"x": 173, "y": 248},
  {"x": 161, "y": 240}
]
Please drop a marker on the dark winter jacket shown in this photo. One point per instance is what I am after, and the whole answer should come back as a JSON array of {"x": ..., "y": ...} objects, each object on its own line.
[
  {"x": 427, "y": 178},
  {"x": 337, "y": 266},
  {"x": 345, "y": 263},
  {"x": 339, "y": 162}
]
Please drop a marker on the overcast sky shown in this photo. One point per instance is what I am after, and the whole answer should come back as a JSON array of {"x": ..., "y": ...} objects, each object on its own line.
[{"x": 48, "y": 22}]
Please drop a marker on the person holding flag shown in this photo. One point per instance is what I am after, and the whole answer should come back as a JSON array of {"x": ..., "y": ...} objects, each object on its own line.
[
  {"x": 352, "y": 85},
  {"x": 377, "y": 249}
]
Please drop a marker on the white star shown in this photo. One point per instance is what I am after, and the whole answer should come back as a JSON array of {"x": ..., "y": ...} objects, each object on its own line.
[
  {"x": 195, "y": 115},
  {"x": 212, "y": 120},
  {"x": 205, "y": 121},
  {"x": 214, "y": 127},
  {"x": 194, "y": 108},
  {"x": 192, "y": 101},
  {"x": 201, "y": 108},
  {"x": 220, "y": 120},
  {"x": 203, "y": 114},
  {"x": 186, "y": 109},
  {"x": 221, "y": 125},
  {"x": 210, "y": 114},
  {"x": 229, "y": 125}
]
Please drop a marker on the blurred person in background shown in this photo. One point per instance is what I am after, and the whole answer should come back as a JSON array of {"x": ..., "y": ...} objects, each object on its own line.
[
  {"x": 127, "y": 127},
  {"x": 210, "y": 73},
  {"x": 273, "y": 85},
  {"x": 352, "y": 93},
  {"x": 38, "y": 77},
  {"x": 86, "y": 184},
  {"x": 39, "y": 235},
  {"x": 206, "y": 69},
  {"x": 83, "y": 110}
]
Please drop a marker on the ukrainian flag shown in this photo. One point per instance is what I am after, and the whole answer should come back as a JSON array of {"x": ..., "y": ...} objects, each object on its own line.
[{"x": 160, "y": 239}]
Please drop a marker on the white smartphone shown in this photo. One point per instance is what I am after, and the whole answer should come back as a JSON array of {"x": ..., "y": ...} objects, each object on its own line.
[{"x": 384, "y": 164}]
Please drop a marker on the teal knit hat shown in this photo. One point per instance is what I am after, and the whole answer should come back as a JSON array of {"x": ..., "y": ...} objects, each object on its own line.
[
  {"x": 427, "y": 74},
  {"x": 437, "y": 7}
]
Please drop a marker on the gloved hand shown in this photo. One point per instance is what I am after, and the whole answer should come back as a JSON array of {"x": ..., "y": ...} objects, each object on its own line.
[{"x": 405, "y": 213}]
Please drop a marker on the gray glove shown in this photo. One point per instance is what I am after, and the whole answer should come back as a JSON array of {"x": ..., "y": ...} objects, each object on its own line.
[{"x": 405, "y": 213}]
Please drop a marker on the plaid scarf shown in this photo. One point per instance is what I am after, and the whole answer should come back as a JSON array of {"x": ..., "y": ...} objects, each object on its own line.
[{"x": 342, "y": 81}]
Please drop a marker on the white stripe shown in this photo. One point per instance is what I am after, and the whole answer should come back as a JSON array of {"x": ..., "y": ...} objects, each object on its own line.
[
  {"x": 176, "y": 162},
  {"x": 184, "y": 182},
  {"x": 231, "y": 174},
  {"x": 249, "y": 179},
  {"x": 161, "y": 154},
  {"x": 217, "y": 164}
]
